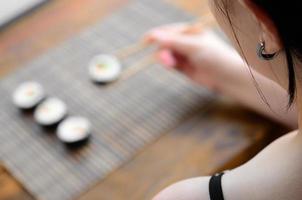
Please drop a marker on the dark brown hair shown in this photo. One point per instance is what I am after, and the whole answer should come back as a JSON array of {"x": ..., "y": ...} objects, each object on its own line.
[{"x": 285, "y": 15}]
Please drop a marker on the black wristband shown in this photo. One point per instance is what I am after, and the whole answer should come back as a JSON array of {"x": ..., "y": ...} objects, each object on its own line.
[{"x": 215, "y": 187}]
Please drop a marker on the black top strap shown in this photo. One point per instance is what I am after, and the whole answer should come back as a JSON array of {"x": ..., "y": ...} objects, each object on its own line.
[{"x": 215, "y": 187}]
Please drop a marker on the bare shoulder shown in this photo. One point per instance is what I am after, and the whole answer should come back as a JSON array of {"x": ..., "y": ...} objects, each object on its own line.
[{"x": 272, "y": 174}]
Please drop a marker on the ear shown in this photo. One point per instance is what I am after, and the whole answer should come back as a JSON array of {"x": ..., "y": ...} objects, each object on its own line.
[{"x": 269, "y": 33}]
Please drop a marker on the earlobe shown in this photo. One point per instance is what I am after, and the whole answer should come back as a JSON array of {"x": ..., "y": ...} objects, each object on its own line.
[{"x": 273, "y": 43}]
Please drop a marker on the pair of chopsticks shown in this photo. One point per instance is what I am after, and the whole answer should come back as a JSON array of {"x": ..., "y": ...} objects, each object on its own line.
[{"x": 193, "y": 28}]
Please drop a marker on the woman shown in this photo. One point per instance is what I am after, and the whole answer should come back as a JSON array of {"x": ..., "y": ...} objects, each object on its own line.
[{"x": 267, "y": 36}]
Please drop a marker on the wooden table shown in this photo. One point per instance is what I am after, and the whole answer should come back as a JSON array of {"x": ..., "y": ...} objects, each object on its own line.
[{"x": 181, "y": 153}]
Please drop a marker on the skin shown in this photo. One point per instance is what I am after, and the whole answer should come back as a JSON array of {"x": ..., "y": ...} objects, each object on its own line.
[{"x": 275, "y": 172}]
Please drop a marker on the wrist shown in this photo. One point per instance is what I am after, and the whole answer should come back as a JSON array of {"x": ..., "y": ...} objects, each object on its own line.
[{"x": 232, "y": 75}]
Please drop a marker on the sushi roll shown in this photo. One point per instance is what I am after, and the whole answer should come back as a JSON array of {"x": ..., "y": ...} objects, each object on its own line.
[
  {"x": 28, "y": 95},
  {"x": 50, "y": 112},
  {"x": 74, "y": 130},
  {"x": 104, "y": 68}
]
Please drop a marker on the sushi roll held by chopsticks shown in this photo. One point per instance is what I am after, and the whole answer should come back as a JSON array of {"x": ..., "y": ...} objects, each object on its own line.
[{"x": 104, "y": 68}]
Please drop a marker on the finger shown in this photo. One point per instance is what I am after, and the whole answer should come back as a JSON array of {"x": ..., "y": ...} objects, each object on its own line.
[
  {"x": 171, "y": 28},
  {"x": 177, "y": 43},
  {"x": 173, "y": 60},
  {"x": 182, "y": 64},
  {"x": 165, "y": 57}
]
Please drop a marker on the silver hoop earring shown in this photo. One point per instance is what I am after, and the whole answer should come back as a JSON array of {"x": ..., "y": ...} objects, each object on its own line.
[{"x": 261, "y": 52}]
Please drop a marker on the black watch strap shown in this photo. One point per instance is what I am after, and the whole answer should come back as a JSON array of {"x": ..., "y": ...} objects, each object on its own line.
[{"x": 215, "y": 187}]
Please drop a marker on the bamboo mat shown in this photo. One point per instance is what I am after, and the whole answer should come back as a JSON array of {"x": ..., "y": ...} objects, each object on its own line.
[{"x": 125, "y": 116}]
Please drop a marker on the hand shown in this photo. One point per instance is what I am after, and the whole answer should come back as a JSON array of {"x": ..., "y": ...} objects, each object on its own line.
[{"x": 203, "y": 57}]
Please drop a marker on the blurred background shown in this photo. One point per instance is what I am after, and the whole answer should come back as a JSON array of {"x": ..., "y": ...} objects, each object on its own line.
[{"x": 143, "y": 153}]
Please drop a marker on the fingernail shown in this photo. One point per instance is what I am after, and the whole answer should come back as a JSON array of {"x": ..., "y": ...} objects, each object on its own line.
[{"x": 167, "y": 58}]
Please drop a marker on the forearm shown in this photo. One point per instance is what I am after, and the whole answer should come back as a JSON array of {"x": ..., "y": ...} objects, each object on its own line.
[{"x": 242, "y": 86}]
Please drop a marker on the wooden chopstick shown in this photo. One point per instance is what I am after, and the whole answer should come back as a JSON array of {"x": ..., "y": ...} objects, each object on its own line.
[
  {"x": 198, "y": 26},
  {"x": 130, "y": 50},
  {"x": 140, "y": 65}
]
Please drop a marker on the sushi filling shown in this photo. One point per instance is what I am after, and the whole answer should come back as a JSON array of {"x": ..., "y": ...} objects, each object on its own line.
[
  {"x": 74, "y": 129},
  {"x": 50, "y": 112},
  {"x": 28, "y": 95},
  {"x": 104, "y": 68}
]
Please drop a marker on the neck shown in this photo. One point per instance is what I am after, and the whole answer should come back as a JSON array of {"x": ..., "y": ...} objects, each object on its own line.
[{"x": 299, "y": 107}]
